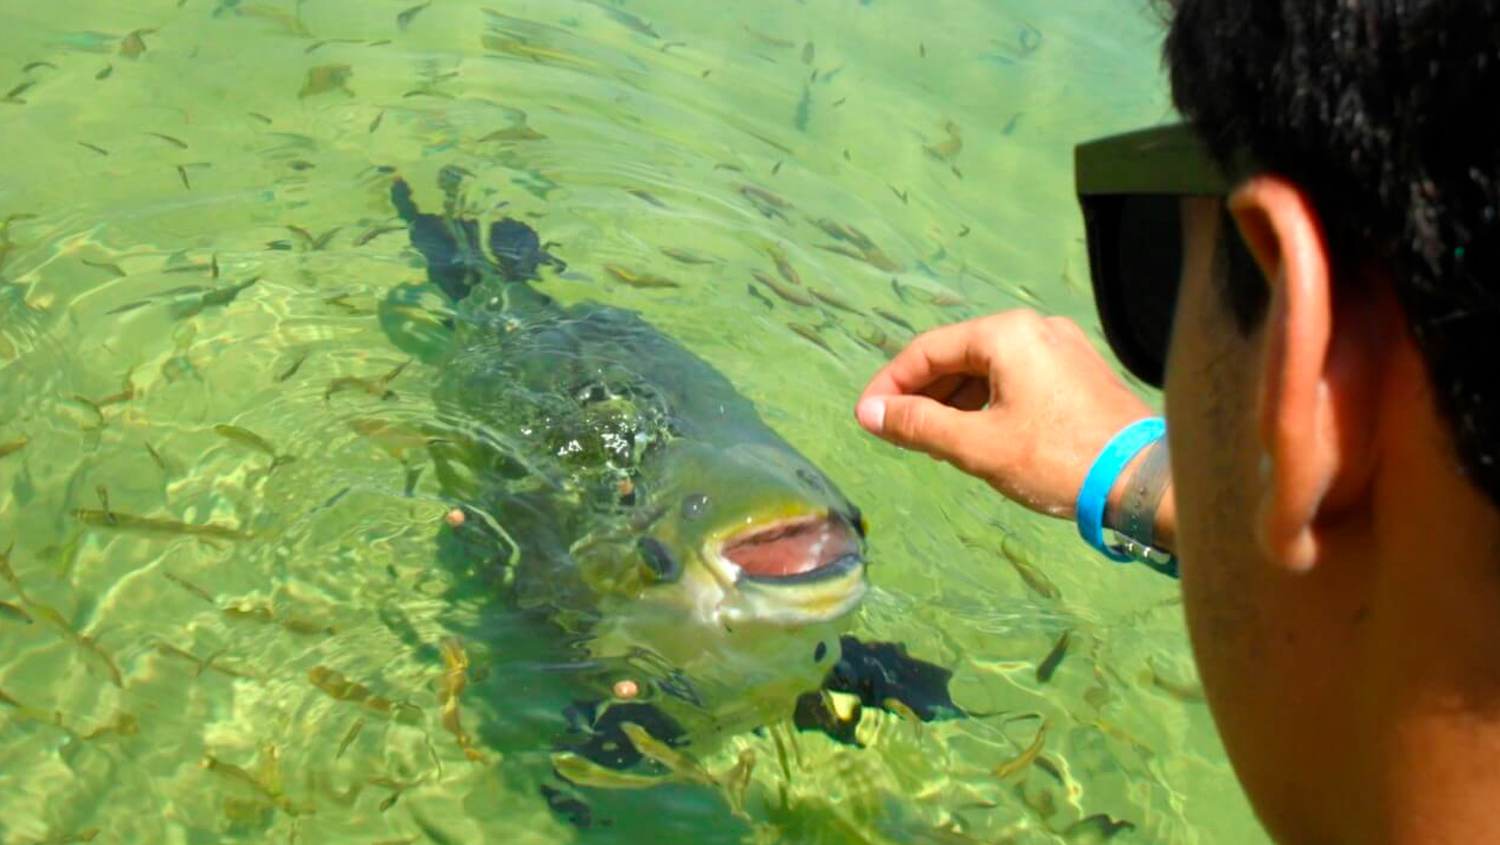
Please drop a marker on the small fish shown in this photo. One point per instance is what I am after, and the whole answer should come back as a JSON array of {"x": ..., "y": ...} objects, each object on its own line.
[
  {"x": 214, "y": 297},
  {"x": 92, "y": 406},
  {"x": 646, "y": 197},
  {"x": 182, "y": 174},
  {"x": 585, "y": 772},
  {"x": 1026, "y": 757},
  {"x": 192, "y": 588},
  {"x": 872, "y": 335},
  {"x": 295, "y": 366},
  {"x": 1034, "y": 578},
  {"x": 9, "y": 574},
  {"x": 834, "y": 302},
  {"x": 682, "y": 256},
  {"x": 639, "y": 280},
  {"x": 34, "y": 65},
  {"x": 1010, "y": 125},
  {"x": 176, "y": 142},
  {"x": 101, "y": 658},
  {"x": 782, "y": 290},
  {"x": 254, "y": 441},
  {"x": 229, "y": 771},
  {"x": 516, "y": 133},
  {"x": 104, "y": 72},
  {"x": 373, "y": 388},
  {"x": 783, "y": 266},
  {"x": 376, "y": 232},
  {"x": 106, "y": 265},
  {"x": 1181, "y": 691},
  {"x": 94, "y": 147},
  {"x": 154, "y": 525},
  {"x": 325, "y": 78},
  {"x": 404, "y": 19},
  {"x": 1095, "y": 829},
  {"x": 944, "y": 300},
  {"x": 354, "y": 729},
  {"x": 963, "y": 231},
  {"x": 755, "y": 292},
  {"x": 674, "y": 761},
  {"x": 338, "y": 686},
  {"x": 812, "y": 335},
  {"x": 921, "y": 50},
  {"x": 766, "y": 202},
  {"x": 809, "y": 53},
  {"x": 8, "y": 701},
  {"x": 776, "y": 168},
  {"x": 900, "y": 195},
  {"x": 1049, "y": 665},
  {"x": 888, "y": 316},
  {"x": 455, "y": 678},
  {"x": 14, "y": 446},
  {"x": 155, "y": 456},
  {"x": 771, "y": 40},
  {"x": 260, "y": 117},
  {"x": 16, "y": 92},
  {"x": 15, "y": 613}
]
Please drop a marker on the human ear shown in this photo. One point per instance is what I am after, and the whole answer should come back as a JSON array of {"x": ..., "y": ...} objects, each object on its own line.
[{"x": 1320, "y": 363}]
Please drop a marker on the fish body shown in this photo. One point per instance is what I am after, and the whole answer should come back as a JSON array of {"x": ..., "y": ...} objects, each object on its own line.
[{"x": 631, "y": 493}]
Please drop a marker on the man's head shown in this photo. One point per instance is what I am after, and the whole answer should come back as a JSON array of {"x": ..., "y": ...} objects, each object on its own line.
[{"x": 1333, "y": 391}]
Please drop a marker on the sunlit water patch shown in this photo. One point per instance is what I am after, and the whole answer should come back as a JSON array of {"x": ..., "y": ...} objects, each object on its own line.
[{"x": 230, "y": 618}]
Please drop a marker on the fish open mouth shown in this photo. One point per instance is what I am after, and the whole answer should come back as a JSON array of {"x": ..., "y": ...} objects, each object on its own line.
[{"x": 794, "y": 550}]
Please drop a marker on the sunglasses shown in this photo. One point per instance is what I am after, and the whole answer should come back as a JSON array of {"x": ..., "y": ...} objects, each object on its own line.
[{"x": 1130, "y": 187}]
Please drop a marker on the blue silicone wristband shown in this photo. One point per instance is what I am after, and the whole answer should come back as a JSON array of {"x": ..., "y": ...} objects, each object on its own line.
[{"x": 1101, "y": 479}]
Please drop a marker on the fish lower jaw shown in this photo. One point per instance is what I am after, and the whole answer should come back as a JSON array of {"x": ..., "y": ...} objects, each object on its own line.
[{"x": 755, "y": 604}]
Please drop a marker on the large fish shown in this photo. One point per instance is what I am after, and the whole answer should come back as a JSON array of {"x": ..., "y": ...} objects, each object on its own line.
[{"x": 617, "y": 486}]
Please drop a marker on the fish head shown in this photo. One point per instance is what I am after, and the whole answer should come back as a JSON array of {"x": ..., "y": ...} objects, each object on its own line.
[{"x": 749, "y": 533}]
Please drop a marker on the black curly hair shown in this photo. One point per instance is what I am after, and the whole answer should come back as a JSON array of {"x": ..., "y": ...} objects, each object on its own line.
[{"x": 1387, "y": 113}]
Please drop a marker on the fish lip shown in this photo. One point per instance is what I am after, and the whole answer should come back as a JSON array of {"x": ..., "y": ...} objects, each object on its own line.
[{"x": 842, "y": 566}]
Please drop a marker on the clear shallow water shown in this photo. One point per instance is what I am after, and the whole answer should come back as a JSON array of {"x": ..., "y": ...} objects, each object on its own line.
[{"x": 247, "y": 136}]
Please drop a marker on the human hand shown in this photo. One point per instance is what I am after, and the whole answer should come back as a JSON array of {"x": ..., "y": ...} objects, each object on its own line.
[{"x": 1019, "y": 400}]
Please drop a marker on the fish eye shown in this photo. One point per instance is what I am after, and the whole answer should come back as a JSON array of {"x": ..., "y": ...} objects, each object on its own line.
[
  {"x": 659, "y": 559},
  {"x": 694, "y": 506}
]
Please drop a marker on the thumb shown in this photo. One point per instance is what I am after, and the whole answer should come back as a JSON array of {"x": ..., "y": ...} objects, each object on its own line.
[{"x": 915, "y": 422}]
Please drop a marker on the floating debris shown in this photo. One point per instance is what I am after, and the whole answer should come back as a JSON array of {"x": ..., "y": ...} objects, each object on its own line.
[
  {"x": 134, "y": 43},
  {"x": 626, "y": 689},
  {"x": 948, "y": 150},
  {"x": 326, "y": 78}
]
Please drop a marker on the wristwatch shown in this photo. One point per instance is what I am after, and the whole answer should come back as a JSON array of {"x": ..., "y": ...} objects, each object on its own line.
[{"x": 1134, "y": 520}]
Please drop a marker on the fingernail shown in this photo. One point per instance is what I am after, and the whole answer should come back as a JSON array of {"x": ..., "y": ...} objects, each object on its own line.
[{"x": 871, "y": 415}]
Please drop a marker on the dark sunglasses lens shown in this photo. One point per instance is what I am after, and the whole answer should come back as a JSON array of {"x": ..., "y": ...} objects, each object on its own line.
[{"x": 1135, "y": 242}]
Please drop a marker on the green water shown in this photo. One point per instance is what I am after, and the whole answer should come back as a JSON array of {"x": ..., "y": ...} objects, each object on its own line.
[{"x": 246, "y": 136}]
